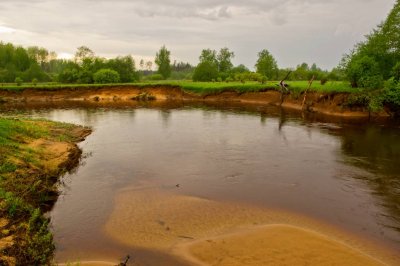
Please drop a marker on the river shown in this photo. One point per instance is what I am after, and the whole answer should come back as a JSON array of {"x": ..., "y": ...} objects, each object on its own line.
[{"x": 342, "y": 173}]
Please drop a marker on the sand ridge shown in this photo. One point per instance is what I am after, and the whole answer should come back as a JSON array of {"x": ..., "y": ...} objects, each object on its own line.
[
  {"x": 207, "y": 232},
  {"x": 277, "y": 244}
]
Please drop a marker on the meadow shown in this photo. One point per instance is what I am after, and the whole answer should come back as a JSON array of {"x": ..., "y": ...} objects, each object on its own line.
[{"x": 199, "y": 87}]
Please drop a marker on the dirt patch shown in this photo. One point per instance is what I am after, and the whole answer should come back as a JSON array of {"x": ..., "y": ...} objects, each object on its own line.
[
  {"x": 207, "y": 232},
  {"x": 332, "y": 104}
]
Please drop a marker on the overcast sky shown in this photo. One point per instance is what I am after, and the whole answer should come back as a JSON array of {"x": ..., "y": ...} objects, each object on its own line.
[{"x": 294, "y": 31}]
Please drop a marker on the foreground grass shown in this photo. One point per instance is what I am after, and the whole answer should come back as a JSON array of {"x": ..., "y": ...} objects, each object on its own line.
[
  {"x": 27, "y": 188},
  {"x": 199, "y": 87}
]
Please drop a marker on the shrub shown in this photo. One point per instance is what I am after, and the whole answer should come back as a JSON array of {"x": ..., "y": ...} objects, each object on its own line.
[
  {"x": 396, "y": 72},
  {"x": 155, "y": 77},
  {"x": 262, "y": 79},
  {"x": 371, "y": 82},
  {"x": 39, "y": 242},
  {"x": 68, "y": 76},
  {"x": 364, "y": 72},
  {"x": 324, "y": 80},
  {"x": 34, "y": 81},
  {"x": 205, "y": 71},
  {"x": 392, "y": 93},
  {"x": 18, "y": 80},
  {"x": 373, "y": 101},
  {"x": 104, "y": 76}
]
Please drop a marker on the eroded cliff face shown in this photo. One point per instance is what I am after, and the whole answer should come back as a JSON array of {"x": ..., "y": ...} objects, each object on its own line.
[{"x": 334, "y": 104}]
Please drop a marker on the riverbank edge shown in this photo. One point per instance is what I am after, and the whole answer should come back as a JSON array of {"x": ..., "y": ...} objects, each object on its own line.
[
  {"x": 337, "y": 104},
  {"x": 62, "y": 156}
]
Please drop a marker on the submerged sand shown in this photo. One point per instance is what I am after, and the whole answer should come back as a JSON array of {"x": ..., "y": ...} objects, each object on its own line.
[
  {"x": 276, "y": 245},
  {"x": 207, "y": 232}
]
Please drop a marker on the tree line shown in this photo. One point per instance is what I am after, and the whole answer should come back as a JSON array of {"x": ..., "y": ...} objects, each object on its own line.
[{"x": 36, "y": 64}]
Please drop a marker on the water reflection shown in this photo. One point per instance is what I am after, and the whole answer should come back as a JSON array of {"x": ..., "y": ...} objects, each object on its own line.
[{"x": 377, "y": 150}]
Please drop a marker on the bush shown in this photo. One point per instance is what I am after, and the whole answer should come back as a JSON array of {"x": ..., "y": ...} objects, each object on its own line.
[
  {"x": 39, "y": 241},
  {"x": 324, "y": 80},
  {"x": 396, "y": 72},
  {"x": 205, "y": 71},
  {"x": 34, "y": 81},
  {"x": 262, "y": 79},
  {"x": 18, "y": 80},
  {"x": 86, "y": 77},
  {"x": 371, "y": 82},
  {"x": 68, "y": 76},
  {"x": 372, "y": 100},
  {"x": 155, "y": 77},
  {"x": 392, "y": 93},
  {"x": 364, "y": 72},
  {"x": 104, "y": 76}
]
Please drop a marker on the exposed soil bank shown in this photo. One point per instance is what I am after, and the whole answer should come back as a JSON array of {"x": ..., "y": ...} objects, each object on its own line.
[
  {"x": 207, "y": 232},
  {"x": 33, "y": 187},
  {"x": 333, "y": 104}
]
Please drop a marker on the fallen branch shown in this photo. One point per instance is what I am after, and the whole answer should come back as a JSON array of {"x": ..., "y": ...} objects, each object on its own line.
[
  {"x": 125, "y": 263},
  {"x": 305, "y": 93}
]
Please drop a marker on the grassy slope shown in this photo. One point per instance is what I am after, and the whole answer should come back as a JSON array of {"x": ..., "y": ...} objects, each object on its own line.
[
  {"x": 26, "y": 188},
  {"x": 201, "y": 87}
]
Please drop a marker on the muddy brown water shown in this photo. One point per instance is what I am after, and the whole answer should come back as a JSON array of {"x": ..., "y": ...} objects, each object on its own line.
[{"x": 344, "y": 173}]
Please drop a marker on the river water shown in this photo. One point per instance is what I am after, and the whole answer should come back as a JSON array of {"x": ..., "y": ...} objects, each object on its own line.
[{"x": 344, "y": 173}]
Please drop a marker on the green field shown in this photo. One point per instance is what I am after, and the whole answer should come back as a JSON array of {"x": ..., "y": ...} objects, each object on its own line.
[{"x": 199, "y": 87}]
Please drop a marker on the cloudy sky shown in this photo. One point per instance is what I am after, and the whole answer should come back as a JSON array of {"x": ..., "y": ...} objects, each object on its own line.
[{"x": 294, "y": 31}]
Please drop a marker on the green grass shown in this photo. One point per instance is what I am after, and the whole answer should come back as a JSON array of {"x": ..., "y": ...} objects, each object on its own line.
[
  {"x": 26, "y": 188},
  {"x": 198, "y": 87}
]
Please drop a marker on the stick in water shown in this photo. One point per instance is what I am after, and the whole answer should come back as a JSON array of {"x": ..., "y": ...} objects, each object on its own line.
[
  {"x": 305, "y": 93},
  {"x": 125, "y": 262}
]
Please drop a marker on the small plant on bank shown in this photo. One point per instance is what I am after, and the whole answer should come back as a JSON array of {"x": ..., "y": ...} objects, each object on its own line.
[
  {"x": 19, "y": 81},
  {"x": 155, "y": 77},
  {"x": 34, "y": 81}
]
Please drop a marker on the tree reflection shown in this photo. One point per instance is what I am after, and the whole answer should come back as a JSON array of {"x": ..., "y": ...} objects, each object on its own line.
[{"x": 377, "y": 150}]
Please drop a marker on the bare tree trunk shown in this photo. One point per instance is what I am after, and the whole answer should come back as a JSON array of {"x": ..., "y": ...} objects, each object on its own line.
[
  {"x": 283, "y": 87},
  {"x": 305, "y": 93}
]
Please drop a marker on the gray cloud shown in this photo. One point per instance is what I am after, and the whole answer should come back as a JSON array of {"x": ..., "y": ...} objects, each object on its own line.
[{"x": 293, "y": 30}]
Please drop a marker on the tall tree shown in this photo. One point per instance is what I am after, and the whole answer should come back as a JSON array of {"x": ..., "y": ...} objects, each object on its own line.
[
  {"x": 382, "y": 46},
  {"x": 39, "y": 54},
  {"x": 125, "y": 66},
  {"x": 141, "y": 64},
  {"x": 224, "y": 59},
  {"x": 163, "y": 62},
  {"x": 208, "y": 55},
  {"x": 82, "y": 53},
  {"x": 266, "y": 65},
  {"x": 149, "y": 65},
  {"x": 21, "y": 59}
]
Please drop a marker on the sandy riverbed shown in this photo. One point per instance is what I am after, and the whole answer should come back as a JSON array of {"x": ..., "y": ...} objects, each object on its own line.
[{"x": 207, "y": 232}]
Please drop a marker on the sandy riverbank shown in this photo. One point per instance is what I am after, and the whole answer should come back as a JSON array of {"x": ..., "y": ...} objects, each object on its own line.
[{"x": 206, "y": 232}]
